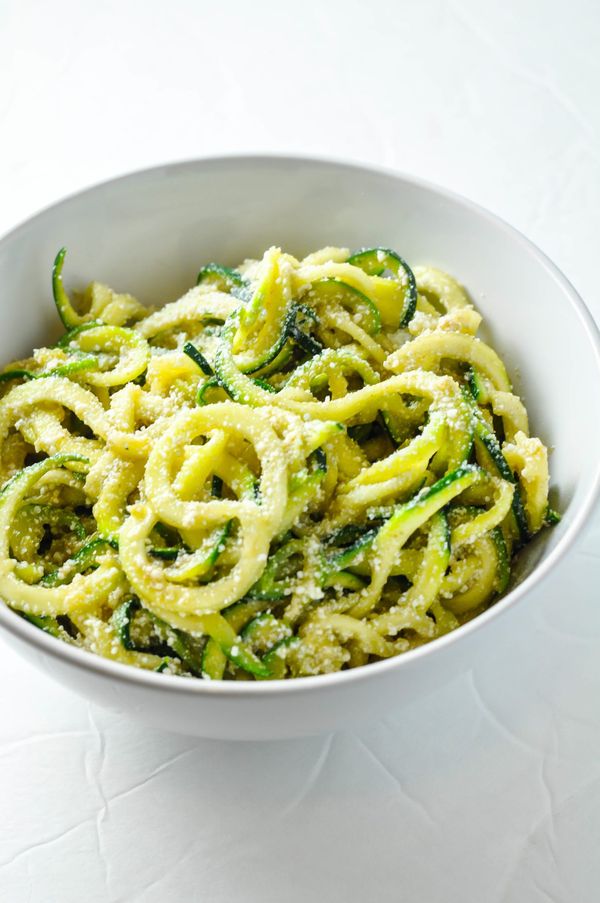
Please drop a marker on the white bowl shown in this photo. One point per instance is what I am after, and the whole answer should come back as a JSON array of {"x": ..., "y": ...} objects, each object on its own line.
[{"x": 148, "y": 232}]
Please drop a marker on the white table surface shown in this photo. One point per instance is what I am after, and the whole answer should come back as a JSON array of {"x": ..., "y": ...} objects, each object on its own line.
[{"x": 488, "y": 791}]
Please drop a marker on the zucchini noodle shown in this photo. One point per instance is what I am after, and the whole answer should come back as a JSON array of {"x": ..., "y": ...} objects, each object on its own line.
[{"x": 300, "y": 466}]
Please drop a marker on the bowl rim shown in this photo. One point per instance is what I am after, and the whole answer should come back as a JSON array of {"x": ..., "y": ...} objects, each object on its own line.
[{"x": 88, "y": 661}]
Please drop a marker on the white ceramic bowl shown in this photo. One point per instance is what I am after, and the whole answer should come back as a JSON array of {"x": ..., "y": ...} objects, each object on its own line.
[{"x": 148, "y": 232}]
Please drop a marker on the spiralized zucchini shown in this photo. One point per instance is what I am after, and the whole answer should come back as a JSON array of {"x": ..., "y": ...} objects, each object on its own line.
[{"x": 300, "y": 466}]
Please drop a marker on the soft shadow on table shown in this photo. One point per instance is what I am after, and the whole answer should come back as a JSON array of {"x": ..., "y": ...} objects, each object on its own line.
[{"x": 343, "y": 817}]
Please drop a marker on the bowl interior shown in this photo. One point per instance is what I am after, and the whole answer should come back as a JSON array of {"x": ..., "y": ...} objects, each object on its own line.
[{"x": 149, "y": 233}]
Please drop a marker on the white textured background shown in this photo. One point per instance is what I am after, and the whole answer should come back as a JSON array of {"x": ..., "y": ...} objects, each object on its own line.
[{"x": 488, "y": 792}]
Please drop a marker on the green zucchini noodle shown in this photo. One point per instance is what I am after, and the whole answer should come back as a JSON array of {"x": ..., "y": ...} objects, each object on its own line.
[{"x": 299, "y": 467}]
